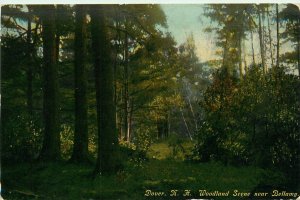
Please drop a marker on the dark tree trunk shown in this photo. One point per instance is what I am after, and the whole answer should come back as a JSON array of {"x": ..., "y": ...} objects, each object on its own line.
[
  {"x": 261, "y": 42},
  {"x": 80, "y": 150},
  {"x": 160, "y": 128},
  {"x": 252, "y": 47},
  {"x": 240, "y": 56},
  {"x": 298, "y": 45},
  {"x": 270, "y": 37},
  {"x": 57, "y": 43},
  {"x": 163, "y": 127},
  {"x": 107, "y": 160},
  {"x": 129, "y": 121},
  {"x": 29, "y": 69},
  {"x": 225, "y": 53},
  {"x": 126, "y": 97},
  {"x": 51, "y": 143},
  {"x": 277, "y": 33}
]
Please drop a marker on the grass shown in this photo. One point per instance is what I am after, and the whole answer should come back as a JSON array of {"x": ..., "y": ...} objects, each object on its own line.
[{"x": 69, "y": 181}]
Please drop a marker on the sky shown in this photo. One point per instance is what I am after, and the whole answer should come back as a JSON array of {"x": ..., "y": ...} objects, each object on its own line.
[{"x": 186, "y": 19}]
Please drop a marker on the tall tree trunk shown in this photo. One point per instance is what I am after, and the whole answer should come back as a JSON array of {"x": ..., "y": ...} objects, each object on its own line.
[
  {"x": 57, "y": 43},
  {"x": 116, "y": 63},
  {"x": 186, "y": 125},
  {"x": 29, "y": 72},
  {"x": 107, "y": 136},
  {"x": 261, "y": 42},
  {"x": 126, "y": 95},
  {"x": 270, "y": 37},
  {"x": 193, "y": 113},
  {"x": 244, "y": 58},
  {"x": 264, "y": 38},
  {"x": 51, "y": 143},
  {"x": 277, "y": 33},
  {"x": 80, "y": 149},
  {"x": 240, "y": 56},
  {"x": 298, "y": 46},
  {"x": 252, "y": 46},
  {"x": 130, "y": 115},
  {"x": 225, "y": 54}
]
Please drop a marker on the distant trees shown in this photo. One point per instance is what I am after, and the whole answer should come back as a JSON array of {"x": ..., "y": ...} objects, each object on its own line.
[
  {"x": 136, "y": 42},
  {"x": 253, "y": 119},
  {"x": 263, "y": 22},
  {"x": 291, "y": 17}
]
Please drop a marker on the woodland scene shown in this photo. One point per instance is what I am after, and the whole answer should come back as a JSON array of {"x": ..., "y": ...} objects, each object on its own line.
[{"x": 148, "y": 101}]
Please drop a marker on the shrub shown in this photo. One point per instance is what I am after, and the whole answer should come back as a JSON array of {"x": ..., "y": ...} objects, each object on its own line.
[{"x": 21, "y": 137}]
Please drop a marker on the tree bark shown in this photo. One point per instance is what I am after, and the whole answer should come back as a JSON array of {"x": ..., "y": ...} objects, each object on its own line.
[
  {"x": 186, "y": 125},
  {"x": 252, "y": 46},
  {"x": 225, "y": 54},
  {"x": 107, "y": 161},
  {"x": 298, "y": 45},
  {"x": 261, "y": 42},
  {"x": 130, "y": 115},
  {"x": 126, "y": 97},
  {"x": 240, "y": 57},
  {"x": 29, "y": 69},
  {"x": 80, "y": 149},
  {"x": 277, "y": 33},
  {"x": 193, "y": 113},
  {"x": 51, "y": 142},
  {"x": 244, "y": 58},
  {"x": 270, "y": 37}
]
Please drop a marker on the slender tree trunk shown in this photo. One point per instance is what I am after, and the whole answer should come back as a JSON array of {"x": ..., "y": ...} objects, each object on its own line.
[
  {"x": 240, "y": 56},
  {"x": 80, "y": 149},
  {"x": 270, "y": 37},
  {"x": 244, "y": 57},
  {"x": 193, "y": 113},
  {"x": 252, "y": 46},
  {"x": 57, "y": 43},
  {"x": 129, "y": 121},
  {"x": 163, "y": 127},
  {"x": 169, "y": 123},
  {"x": 107, "y": 162},
  {"x": 298, "y": 46},
  {"x": 51, "y": 142},
  {"x": 186, "y": 125},
  {"x": 126, "y": 95},
  {"x": 264, "y": 39},
  {"x": 116, "y": 63},
  {"x": 225, "y": 54},
  {"x": 261, "y": 42},
  {"x": 277, "y": 33},
  {"x": 29, "y": 69}
]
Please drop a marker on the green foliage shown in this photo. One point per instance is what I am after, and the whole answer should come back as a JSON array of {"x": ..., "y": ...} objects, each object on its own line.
[
  {"x": 66, "y": 141},
  {"x": 21, "y": 138},
  {"x": 254, "y": 121},
  {"x": 143, "y": 138},
  {"x": 175, "y": 142}
]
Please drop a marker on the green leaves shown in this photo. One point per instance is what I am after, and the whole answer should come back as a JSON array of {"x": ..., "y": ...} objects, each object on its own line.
[{"x": 242, "y": 118}]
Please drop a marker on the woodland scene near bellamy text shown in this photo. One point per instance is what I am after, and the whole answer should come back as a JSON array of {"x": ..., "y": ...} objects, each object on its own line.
[{"x": 143, "y": 101}]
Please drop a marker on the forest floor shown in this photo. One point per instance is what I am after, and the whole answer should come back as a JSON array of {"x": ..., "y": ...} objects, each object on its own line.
[{"x": 160, "y": 174}]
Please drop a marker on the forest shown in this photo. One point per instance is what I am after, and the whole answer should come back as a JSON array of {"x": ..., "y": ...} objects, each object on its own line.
[{"x": 102, "y": 102}]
